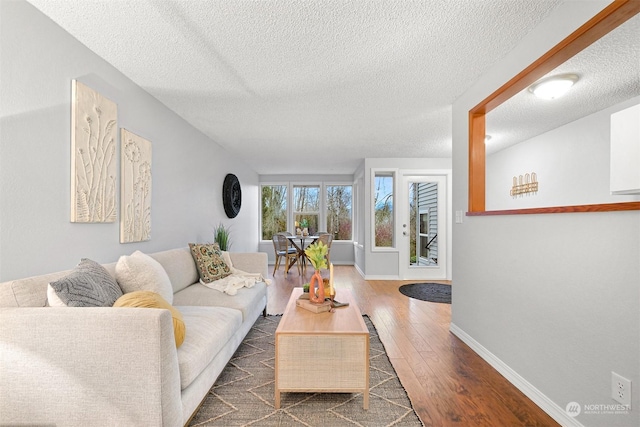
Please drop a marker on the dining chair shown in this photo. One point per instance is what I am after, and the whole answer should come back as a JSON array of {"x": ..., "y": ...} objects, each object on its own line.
[
  {"x": 292, "y": 247},
  {"x": 281, "y": 246},
  {"x": 326, "y": 239}
]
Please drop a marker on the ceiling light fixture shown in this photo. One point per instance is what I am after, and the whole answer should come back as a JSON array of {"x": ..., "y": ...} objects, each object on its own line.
[{"x": 554, "y": 86}]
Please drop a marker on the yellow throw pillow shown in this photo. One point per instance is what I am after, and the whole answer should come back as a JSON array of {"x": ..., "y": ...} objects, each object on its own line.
[{"x": 148, "y": 299}]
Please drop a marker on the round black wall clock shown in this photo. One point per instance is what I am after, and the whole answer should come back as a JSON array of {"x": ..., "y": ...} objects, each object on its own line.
[{"x": 231, "y": 195}]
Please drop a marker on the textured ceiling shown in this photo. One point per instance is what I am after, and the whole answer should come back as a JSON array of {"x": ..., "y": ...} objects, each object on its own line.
[
  {"x": 329, "y": 80},
  {"x": 609, "y": 72}
]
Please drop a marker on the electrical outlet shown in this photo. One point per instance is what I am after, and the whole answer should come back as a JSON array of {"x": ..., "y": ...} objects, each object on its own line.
[{"x": 620, "y": 389}]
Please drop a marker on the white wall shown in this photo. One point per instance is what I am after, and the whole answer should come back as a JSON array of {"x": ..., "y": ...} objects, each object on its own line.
[
  {"x": 551, "y": 300},
  {"x": 385, "y": 263},
  {"x": 572, "y": 164},
  {"x": 38, "y": 61}
]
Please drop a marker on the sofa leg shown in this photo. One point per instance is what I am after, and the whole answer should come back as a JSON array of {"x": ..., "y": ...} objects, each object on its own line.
[{"x": 264, "y": 312}]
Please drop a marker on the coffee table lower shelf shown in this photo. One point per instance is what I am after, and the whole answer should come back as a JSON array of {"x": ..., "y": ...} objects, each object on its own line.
[
  {"x": 322, "y": 352},
  {"x": 322, "y": 364}
]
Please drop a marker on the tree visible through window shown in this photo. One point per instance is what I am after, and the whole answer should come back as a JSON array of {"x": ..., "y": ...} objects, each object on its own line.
[
  {"x": 306, "y": 206},
  {"x": 331, "y": 211},
  {"x": 383, "y": 209},
  {"x": 339, "y": 213},
  {"x": 274, "y": 210}
]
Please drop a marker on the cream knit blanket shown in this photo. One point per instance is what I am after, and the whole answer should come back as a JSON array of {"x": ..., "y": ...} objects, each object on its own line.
[{"x": 236, "y": 280}]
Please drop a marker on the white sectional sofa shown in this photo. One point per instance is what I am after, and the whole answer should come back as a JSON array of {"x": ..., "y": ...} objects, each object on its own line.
[{"x": 102, "y": 366}]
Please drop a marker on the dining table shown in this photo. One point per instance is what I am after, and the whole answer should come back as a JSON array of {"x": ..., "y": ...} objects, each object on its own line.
[{"x": 299, "y": 241}]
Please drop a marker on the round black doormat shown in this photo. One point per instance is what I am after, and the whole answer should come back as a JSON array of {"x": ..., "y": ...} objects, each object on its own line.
[{"x": 432, "y": 292}]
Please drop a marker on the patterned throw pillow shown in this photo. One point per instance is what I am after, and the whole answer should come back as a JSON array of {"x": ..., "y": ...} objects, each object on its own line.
[
  {"x": 209, "y": 261},
  {"x": 88, "y": 285}
]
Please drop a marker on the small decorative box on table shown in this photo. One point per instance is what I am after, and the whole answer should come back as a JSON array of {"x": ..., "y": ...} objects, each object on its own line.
[
  {"x": 312, "y": 307},
  {"x": 322, "y": 352}
]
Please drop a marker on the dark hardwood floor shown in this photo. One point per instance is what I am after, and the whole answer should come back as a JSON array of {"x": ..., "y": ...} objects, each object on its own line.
[{"x": 448, "y": 383}]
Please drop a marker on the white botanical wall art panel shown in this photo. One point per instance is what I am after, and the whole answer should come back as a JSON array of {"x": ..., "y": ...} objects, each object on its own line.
[
  {"x": 93, "y": 155},
  {"x": 135, "y": 192}
]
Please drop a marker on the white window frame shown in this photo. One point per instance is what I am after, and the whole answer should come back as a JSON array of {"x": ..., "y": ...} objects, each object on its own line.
[
  {"x": 321, "y": 205},
  {"x": 394, "y": 174},
  {"x": 322, "y": 215},
  {"x": 324, "y": 201},
  {"x": 271, "y": 184}
]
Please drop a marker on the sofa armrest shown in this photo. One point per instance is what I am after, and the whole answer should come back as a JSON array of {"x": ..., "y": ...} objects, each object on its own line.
[
  {"x": 251, "y": 262},
  {"x": 89, "y": 366}
]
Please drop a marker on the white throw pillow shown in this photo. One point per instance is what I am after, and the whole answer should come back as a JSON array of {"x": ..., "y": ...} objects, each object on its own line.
[
  {"x": 53, "y": 299},
  {"x": 140, "y": 272}
]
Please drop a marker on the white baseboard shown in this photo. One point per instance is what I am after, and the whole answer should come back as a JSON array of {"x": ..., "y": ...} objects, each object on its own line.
[
  {"x": 359, "y": 271},
  {"x": 381, "y": 277},
  {"x": 536, "y": 396}
]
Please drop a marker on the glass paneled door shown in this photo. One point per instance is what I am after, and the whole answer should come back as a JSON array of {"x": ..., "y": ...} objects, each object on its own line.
[{"x": 423, "y": 227}]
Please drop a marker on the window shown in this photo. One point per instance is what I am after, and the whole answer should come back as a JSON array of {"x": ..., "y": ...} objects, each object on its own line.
[
  {"x": 286, "y": 206},
  {"x": 274, "y": 210},
  {"x": 339, "y": 212},
  {"x": 306, "y": 206},
  {"x": 383, "y": 208}
]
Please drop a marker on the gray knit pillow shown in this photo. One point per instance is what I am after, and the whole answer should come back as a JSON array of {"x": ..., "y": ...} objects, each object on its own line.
[{"x": 88, "y": 285}]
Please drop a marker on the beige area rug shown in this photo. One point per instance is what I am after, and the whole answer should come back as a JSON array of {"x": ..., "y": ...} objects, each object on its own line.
[{"x": 243, "y": 395}]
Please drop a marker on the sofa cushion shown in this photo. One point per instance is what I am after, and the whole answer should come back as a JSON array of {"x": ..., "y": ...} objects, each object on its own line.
[
  {"x": 148, "y": 299},
  {"x": 245, "y": 300},
  {"x": 28, "y": 292},
  {"x": 88, "y": 285},
  {"x": 209, "y": 262},
  {"x": 210, "y": 328},
  {"x": 140, "y": 272},
  {"x": 180, "y": 267}
]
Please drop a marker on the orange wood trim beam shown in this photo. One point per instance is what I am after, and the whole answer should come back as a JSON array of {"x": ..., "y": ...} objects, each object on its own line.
[
  {"x": 601, "y": 207},
  {"x": 477, "y": 162},
  {"x": 608, "y": 19}
]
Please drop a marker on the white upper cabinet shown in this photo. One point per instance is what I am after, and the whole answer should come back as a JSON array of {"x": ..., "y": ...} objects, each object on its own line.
[{"x": 625, "y": 151}]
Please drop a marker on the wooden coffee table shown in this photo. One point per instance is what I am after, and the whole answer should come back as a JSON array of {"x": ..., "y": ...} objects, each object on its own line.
[{"x": 322, "y": 352}]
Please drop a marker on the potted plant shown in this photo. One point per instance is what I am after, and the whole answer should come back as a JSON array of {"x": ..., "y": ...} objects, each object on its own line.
[
  {"x": 317, "y": 252},
  {"x": 305, "y": 226},
  {"x": 221, "y": 235}
]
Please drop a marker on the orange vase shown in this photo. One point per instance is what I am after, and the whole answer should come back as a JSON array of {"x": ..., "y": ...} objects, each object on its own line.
[{"x": 316, "y": 279}]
